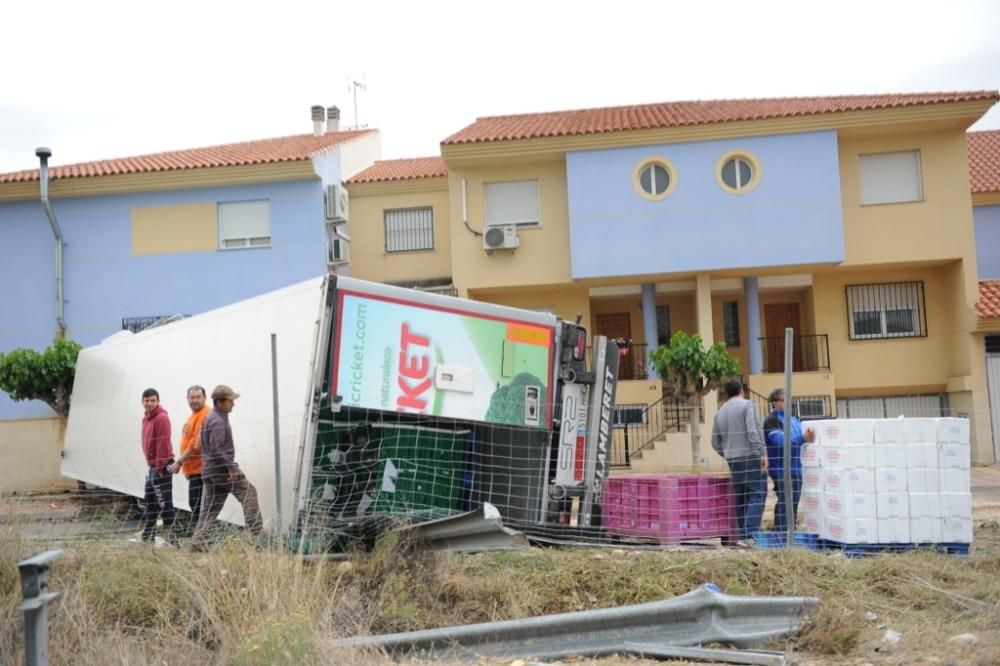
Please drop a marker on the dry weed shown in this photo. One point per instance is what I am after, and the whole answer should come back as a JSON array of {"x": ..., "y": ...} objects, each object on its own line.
[{"x": 237, "y": 605}]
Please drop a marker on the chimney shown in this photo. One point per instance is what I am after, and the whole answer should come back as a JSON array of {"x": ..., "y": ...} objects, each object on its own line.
[
  {"x": 317, "y": 116},
  {"x": 332, "y": 119}
]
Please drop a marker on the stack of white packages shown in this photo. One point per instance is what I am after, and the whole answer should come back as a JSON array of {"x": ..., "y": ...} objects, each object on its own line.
[
  {"x": 847, "y": 469},
  {"x": 888, "y": 481},
  {"x": 954, "y": 460}
]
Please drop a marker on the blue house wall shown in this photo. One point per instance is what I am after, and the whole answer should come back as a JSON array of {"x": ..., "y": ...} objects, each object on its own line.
[
  {"x": 104, "y": 282},
  {"x": 793, "y": 216},
  {"x": 987, "y": 221}
]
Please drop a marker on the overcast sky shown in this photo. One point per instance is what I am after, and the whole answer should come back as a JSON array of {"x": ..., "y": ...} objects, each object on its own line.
[{"x": 103, "y": 79}]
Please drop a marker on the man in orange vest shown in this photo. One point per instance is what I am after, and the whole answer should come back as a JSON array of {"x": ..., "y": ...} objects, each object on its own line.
[{"x": 189, "y": 461}]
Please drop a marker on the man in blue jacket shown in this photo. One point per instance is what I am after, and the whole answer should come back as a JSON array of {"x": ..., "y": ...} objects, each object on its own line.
[{"x": 774, "y": 435}]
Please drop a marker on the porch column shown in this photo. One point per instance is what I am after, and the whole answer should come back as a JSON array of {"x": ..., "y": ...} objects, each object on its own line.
[
  {"x": 703, "y": 308},
  {"x": 649, "y": 324},
  {"x": 706, "y": 329},
  {"x": 751, "y": 295}
]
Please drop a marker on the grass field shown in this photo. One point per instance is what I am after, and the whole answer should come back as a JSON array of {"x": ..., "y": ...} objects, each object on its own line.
[{"x": 127, "y": 604}]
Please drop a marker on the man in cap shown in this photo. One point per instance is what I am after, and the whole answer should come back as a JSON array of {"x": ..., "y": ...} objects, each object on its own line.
[{"x": 220, "y": 474}]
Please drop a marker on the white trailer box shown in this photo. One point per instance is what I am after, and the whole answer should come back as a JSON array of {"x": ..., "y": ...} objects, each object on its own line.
[
  {"x": 230, "y": 345},
  {"x": 388, "y": 354}
]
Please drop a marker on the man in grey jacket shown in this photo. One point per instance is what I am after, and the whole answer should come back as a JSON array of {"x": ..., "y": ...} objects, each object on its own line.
[
  {"x": 737, "y": 437},
  {"x": 221, "y": 476}
]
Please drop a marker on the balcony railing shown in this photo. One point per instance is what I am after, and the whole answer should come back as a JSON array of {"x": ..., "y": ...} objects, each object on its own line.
[
  {"x": 637, "y": 426},
  {"x": 809, "y": 352},
  {"x": 631, "y": 362}
]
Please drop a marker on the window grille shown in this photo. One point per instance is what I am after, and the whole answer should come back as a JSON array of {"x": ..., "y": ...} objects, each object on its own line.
[
  {"x": 891, "y": 310},
  {"x": 663, "y": 324},
  {"x": 731, "y": 323},
  {"x": 409, "y": 229}
]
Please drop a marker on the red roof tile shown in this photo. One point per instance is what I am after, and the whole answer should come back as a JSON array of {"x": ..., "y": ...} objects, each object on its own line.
[
  {"x": 988, "y": 306},
  {"x": 984, "y": 161},
  {"x": 678, "y": 114},
  {"x": 264, "y": 151},
  {"x": 405, "y": 169}
]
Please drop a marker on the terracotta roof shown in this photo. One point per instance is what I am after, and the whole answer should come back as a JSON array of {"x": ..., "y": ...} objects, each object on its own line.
[
  {"x": 405, "y": 169},
  {"x": 988, "y": 306},
  {"x": 678, "y": 114},
  {"x": 264, "y": 151},
  {"x": 984, "y": 161}
]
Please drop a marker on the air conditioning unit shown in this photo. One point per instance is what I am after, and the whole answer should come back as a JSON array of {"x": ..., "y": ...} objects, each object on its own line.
[
  {"x": 337, "y": 203},
  {"x": 500, "y": 238},
  {"x": 338, "y": 246},
  {"x": 337, "y": 252}
]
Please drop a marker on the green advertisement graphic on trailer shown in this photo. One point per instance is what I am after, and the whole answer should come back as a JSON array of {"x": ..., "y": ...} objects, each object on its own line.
[{"x": 409, "y": 358}]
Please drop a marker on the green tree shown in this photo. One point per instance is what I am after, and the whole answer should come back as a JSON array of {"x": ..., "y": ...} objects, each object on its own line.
[
  {"x": 690, "y": 372},
  {"x": 26, "y": 374}
]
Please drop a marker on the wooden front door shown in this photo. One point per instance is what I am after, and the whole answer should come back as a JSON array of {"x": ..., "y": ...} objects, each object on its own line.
[
  {"x": 619, "y": 325},
  {"x": 778, "y": 317}
]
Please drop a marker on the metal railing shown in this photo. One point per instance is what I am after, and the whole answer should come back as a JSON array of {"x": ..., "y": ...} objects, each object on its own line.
[
  {"x": 759, "y": 401},
  {"x": 637, "y": 426},
  {"x": 809, "y": 352},
  {"x": 136, "y": 324},
  {"x": 632, "y": 361}
]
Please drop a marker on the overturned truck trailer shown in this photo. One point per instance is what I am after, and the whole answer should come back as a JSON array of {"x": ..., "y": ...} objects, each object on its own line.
[{"x": 391, "y": 401}]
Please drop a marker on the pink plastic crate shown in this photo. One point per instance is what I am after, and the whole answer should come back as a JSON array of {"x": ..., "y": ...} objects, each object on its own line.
[{"x": 669, "y": 507}]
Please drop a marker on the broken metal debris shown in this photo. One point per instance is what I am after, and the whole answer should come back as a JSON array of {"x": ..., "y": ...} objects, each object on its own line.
[{"x": 697, "y": 618}]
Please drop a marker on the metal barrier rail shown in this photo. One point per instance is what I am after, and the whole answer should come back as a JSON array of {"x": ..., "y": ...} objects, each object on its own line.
[
  {"x": 699, "y": 617},
  {"x": 35, "y": 591}
]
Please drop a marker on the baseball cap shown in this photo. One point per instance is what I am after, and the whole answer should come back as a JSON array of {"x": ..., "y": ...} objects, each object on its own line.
[{"x": 223, "y": 392}]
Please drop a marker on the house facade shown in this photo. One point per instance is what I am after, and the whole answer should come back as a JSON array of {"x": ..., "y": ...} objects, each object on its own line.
[
  {"x": 984, "y": 172},
  {"x": 158, "y": 235},
  {"x": 848, "y": 219}
]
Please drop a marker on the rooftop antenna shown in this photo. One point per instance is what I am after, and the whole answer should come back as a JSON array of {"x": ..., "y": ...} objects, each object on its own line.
[{"x": 353, "y": 86}]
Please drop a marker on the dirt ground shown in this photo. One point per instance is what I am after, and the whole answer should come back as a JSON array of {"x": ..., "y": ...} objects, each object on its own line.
[{"x": 75, "y": 523}]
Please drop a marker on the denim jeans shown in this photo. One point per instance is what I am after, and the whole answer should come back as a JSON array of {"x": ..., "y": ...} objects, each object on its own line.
[
  {"x": 749, "y": 492},
  {"x": 194, "y": 498},
  {"x": 159, "y": 503},
  {"x": 779, "y": 508}
]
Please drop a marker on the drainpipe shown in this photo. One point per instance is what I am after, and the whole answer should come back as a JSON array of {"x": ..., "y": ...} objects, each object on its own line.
[{"x": 43, "y": 177}]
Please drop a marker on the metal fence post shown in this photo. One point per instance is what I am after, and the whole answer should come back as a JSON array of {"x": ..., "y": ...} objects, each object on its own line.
[
  {"x": 277, "y": 435},
  {"x": 787, "y": 457},
  {"x": 36, "y": 595}
]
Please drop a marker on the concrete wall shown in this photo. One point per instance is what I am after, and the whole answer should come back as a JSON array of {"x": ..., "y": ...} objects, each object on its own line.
[
  {"x": 937, "y": 228},
  {"x": 803, "y": 383},
  {"x": 541, "y": 259},
  {"x": 797, "y": 200},
  {"x": 370, "y": 261},
  {"x": 30, "y": 455},
  {"x": 566, "y": 302},
  {"x": 118, "y": 265},
  {"x": 919, "y": 364}
]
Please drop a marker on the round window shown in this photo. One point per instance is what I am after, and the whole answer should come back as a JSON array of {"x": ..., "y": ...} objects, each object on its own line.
[
  {"x": 738, "y": 173},
  {"x": 654, "y": 179}
]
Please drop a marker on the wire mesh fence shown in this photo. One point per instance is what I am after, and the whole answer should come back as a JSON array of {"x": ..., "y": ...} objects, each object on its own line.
[{"x": 858, "y": 480}]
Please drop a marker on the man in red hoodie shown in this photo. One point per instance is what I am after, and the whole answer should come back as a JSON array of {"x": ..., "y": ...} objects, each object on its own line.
[{"x": 159, "y": 452}]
